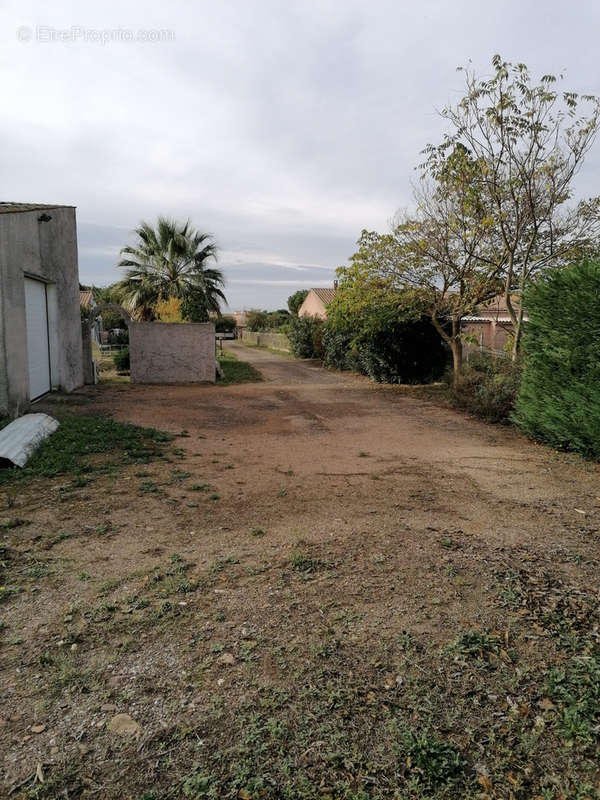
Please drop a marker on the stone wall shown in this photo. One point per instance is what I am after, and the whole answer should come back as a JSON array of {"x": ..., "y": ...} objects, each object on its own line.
[
  {"x": 276, "y": 341},
  {"x": 172, "y": 352}
]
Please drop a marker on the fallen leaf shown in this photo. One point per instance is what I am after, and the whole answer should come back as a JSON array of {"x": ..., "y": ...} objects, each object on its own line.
[
  {"x": 123, "y": 725},
  {"x": 546, "y": 704},
  {"x": 485, "y": 783}
]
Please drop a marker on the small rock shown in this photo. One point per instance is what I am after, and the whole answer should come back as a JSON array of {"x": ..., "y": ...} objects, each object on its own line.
[
  {"x": 227, "y": 659},
  {"x": 74, "y": 646},
  {"x": 68, "y": 618},
  {"x": 38, "y": 728},
  {"x": 123, "y": 725},
  {"x": 108, "y": 707}
]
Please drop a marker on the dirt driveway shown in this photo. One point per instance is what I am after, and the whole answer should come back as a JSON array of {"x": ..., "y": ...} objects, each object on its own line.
[
  {"x": 327, "y": 425},
  {"x": 324, "y": 541}
]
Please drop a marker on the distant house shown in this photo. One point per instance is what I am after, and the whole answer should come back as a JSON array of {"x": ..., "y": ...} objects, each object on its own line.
[
  {"x": 240, "y": 320},
  {"x": 40, "y": 318},
  {"x": 86, "y": 299},
  {"x": 491, "y": 325},
  {"x": 316, "y": 302}
]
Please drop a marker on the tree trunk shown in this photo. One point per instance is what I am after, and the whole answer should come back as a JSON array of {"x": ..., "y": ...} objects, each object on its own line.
[
  {"x": 456, "y": 347},
  {"x": 518, "y": 330}
]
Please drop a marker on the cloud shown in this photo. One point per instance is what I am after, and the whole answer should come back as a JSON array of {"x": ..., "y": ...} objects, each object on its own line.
[{"x": 281, "y": 128}]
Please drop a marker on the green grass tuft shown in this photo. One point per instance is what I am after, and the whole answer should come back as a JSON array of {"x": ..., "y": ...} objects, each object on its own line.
[
  {"x": 80, "y": 437},
  {"x": 235, "y": 371}
]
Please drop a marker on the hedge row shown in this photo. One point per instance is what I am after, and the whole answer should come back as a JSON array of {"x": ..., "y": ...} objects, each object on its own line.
[
  {"x": 559, "y": 400},
  {"x": 402, "y": 352}
]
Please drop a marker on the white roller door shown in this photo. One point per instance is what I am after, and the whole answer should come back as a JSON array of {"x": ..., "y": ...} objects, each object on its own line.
[{"x": 38, "y": 355}]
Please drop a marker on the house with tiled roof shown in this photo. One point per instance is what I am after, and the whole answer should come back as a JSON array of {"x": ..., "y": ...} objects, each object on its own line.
[
  {"x": 316, "y": 302},
  {"x": 490, "y": 326}
]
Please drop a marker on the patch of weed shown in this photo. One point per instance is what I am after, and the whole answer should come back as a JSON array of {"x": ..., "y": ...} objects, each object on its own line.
[
  {"x": 179, "y": 475},
  {"x": 474, "y": 644},
  {"x": 576, "y": 691},
  {"x": 305, "y": 564},
  {"x": 432, "y": 761},
  {"x": 221, "y": 563},
  {"x": 235, "y": 371},
  {"x": 80, "y": 437},
  {"x": 13, "y": 523},
  {"x": 149, "y": 487}
]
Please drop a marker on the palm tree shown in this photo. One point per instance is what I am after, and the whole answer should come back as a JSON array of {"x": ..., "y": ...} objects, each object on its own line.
[{"x": 170, "y": 261}]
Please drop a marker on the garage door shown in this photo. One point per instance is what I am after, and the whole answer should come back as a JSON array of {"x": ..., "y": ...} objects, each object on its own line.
[{"x": 38, "y": 356}]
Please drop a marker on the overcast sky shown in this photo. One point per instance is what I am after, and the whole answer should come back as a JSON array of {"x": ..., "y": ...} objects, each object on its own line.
[{"x": 282, "y": 127}]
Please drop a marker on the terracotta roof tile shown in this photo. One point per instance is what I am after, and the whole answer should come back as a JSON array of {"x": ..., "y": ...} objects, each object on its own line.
[
  {"x": 85, "y": 299},
  {"x": 325, "y": 295}
]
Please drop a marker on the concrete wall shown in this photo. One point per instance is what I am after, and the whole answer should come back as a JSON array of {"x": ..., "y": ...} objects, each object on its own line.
[
  {"x": 312, "y": 306},
  {"x": 172, "y": 352},
  {"x": 276, "y": 341},
  {"x": 46, "y": 251}
]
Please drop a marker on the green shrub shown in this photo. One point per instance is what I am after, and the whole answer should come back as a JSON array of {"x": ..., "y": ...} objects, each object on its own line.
[
  {"x": 121, "y": 360},
  {"x": 406, "y": 351},
  {"x": 559, "y": 401},
  {"x": 489, "y": 387},
  {"x": 225, "y": 324},
  {"x": 337, "y": 348},
  {"x": 306, "y": 336},
  {"x": 257, "y": 321},
  {"x": 295, "y": 300}
]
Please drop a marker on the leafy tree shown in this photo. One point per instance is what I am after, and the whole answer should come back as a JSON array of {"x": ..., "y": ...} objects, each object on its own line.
[
  {"x": 267, "y": 320},
  {"x": 526, "y": 142},
  {"x": 194, "y": 306},
  {"x": 110, "y": 294},
  {"x": 257, "y": 320},
  {"x": 442, "y": 251},
  {"x": 169, "y": 310},
  {"x": 278, "y": 319},
  {"x": 295, "y": 300},
  {"x": 225, "y": 324},
  {"x": 373, "y": 328},
  {"x": 433, "y": 260},
  {"x": 168, "y": 261}
]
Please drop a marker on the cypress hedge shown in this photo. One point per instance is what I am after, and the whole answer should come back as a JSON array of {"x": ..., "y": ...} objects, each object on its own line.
[{"x": 559, "y": 400}]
